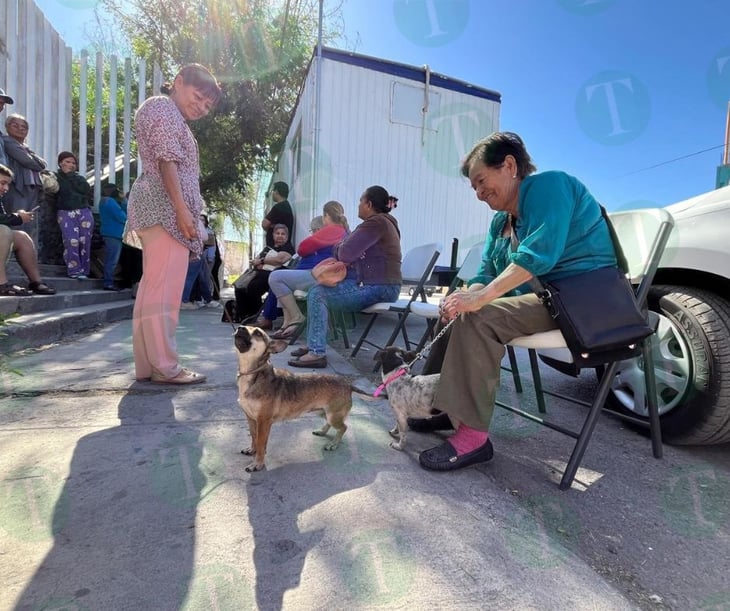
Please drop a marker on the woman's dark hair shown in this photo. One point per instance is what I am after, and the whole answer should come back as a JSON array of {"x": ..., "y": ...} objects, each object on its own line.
[
  {"x": 378, "y": 197},
  {"x": 336, "y": 211},
  {"x": 493, "y": 149},
  {"x": 199, "y": 77}
]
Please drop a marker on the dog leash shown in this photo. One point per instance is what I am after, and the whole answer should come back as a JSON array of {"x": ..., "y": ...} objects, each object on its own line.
[
  {"x": 404, "y": 369},
  {"x": 427, "y": 348}
]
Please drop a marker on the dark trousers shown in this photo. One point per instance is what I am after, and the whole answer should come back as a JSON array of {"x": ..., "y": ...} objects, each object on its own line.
[{"x": 248, "y": 300}]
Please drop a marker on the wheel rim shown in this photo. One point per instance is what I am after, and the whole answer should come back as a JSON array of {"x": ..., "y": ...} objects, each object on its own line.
[{"x": 672, "y": 366}]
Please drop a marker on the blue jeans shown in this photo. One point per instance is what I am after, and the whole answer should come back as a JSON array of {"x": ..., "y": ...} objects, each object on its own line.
[
  {"x": 197, "y": 270},
  {"x": 112, "y": 250},
  {"x": 347, "y": 296},
  {"x": 286, "y": 281}
]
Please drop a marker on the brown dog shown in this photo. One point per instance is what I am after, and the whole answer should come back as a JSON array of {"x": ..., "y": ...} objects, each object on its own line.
[{"x": 268, "y": 395}]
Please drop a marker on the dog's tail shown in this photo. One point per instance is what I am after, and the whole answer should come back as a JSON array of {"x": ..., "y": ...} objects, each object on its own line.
[{"x": 365, "y": 394}]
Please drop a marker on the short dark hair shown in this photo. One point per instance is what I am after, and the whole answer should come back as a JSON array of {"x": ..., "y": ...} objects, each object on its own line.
[
  {"x": 281, "y": 188},
  {"x": 199, "y": 77},
  {"x": 492, "y": 150}
]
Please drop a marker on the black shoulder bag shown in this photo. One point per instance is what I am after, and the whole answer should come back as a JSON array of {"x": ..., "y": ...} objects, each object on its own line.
[{"x": 596, "y": 311}]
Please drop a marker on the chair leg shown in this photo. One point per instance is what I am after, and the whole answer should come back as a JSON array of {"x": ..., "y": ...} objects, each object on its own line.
[
  {"x": 340, "y": 319},
  {"x": 537, "y": 380},
  {"x": 655, "y": 427},
  {"x": 360, "y": 341},
  {"x": 590, "y": 423},
  {"x": 514, "y": 369}
]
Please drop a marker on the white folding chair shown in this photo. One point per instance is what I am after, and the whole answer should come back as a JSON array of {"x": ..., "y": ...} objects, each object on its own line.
[
  {"x": 643, "y": 234},
  {"x": 430, "y": 311},
  {"x": 416, "y": 268}
]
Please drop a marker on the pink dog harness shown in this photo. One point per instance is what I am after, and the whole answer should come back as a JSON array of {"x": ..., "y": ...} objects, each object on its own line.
[{"x": 393, "y": 376}]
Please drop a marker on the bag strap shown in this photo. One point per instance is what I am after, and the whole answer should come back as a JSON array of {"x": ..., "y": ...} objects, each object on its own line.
[
  {"x": 534, "y": 282},
  {"x": 538, "y": 287}
]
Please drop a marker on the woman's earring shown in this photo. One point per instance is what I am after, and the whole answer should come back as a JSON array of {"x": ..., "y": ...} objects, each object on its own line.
[{"x": 514, "y": 176}]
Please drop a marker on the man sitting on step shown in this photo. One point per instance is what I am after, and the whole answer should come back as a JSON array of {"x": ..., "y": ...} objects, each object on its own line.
[{"x": 21, "y": 243}]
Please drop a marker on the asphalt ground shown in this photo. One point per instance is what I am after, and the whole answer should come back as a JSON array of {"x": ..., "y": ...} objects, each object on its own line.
[{"x": 116, "y": 494}]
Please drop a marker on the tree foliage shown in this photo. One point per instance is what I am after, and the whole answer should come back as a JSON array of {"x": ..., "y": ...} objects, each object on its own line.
[{"x": 259, "y": 50}]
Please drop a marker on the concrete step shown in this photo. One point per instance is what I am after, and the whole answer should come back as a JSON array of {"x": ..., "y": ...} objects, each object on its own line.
[
  {"x": 62, "y": 300},
  {"x": 79, "y": 306},
  {"x": 53, "y": 325}
]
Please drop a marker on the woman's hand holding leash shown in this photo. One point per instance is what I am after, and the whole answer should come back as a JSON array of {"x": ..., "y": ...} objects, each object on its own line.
[{"x": 460, "y": 302}]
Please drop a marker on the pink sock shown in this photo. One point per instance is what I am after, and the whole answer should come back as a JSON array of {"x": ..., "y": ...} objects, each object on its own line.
[{"x": 467, "y": 439}]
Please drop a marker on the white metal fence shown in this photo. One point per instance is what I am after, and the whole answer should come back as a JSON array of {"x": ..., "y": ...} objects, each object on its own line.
[{"x": 36, "y": 70}]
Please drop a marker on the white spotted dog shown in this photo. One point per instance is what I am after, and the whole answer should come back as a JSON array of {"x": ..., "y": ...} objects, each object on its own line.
[{"x": 408, "y": 395}]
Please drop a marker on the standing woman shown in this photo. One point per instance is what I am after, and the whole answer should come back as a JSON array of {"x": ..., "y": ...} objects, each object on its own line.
[
  {"x": 25, "y": 191},
  {"x": 74, "y": 216},
  {"x": 164, "y": 206}
]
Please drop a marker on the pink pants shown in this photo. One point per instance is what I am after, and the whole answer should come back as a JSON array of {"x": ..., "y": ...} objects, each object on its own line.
[{"x": 157, "y": 305}]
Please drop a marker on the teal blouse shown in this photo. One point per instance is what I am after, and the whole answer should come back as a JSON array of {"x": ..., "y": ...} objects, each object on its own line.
[{"x": 560, "y": 229}]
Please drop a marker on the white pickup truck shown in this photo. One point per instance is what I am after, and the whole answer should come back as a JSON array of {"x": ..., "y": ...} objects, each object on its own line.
[{"x": 692, "y": 349}]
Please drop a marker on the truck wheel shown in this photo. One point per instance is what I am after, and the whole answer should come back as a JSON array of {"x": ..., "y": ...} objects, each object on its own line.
[{"x": 691, "y": 351}]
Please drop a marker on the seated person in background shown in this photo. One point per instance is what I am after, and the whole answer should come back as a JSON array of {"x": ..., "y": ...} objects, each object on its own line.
[
  {"x": 248, "y": 297},
  {"x": 271, "y": 306},
  {"x": 313, "y": 249},
  {"x": 113, "y": 217},
  {"x": 21, "y": 243},
  {"x": 372, "y": 254}
]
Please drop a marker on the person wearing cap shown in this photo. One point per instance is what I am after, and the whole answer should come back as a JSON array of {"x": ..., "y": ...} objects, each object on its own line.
[
  {"x": 74, "y": 216},
  {"x": 25, "y": 164},
  {"x": 4, "y": 99}
]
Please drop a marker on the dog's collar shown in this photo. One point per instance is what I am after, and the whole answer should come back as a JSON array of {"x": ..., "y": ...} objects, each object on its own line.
[
  {"x": 393, "y": 376},
  {"x": 248, "y": 373}
]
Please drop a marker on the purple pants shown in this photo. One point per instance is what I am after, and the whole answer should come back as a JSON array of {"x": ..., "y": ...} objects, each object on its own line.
[{"x": 77, "y": 226}]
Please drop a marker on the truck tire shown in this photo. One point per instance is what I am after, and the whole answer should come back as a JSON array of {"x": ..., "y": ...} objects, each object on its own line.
[{"x": 691, "y": 352}]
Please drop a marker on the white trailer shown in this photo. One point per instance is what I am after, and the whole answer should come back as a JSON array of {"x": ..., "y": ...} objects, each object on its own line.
[{"x": 362, "y": 121}]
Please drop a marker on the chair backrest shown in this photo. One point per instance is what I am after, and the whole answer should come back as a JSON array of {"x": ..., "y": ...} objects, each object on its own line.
[
  {"x": 420, "y": 260},
  {"x": 471, "y": 263},
  {"x": 643, "y": 234}
]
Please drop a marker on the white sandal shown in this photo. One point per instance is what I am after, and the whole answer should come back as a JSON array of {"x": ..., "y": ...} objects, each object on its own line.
[{"x": 184, "y": 377}]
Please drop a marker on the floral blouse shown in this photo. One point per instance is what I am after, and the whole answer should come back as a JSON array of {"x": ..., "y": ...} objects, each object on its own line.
[{"x": 163, "y": 135}]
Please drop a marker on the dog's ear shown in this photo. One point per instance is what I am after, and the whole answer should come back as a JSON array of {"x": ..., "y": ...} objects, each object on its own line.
[
  {"x": 410, "y": 356},
  {"x": 278, "y": 345},
  {"x": 378, "y": 356}
]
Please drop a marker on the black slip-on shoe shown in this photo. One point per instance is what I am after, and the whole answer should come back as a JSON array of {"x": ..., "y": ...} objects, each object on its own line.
[
  {"x": 439, "y": 422},
  {"x": 444, "y": 457}
]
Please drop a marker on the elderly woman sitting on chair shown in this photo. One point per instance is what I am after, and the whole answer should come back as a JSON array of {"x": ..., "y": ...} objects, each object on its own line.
[
  {"x": 252, "y": 284},
  {"x": 561, "y": 233}
]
